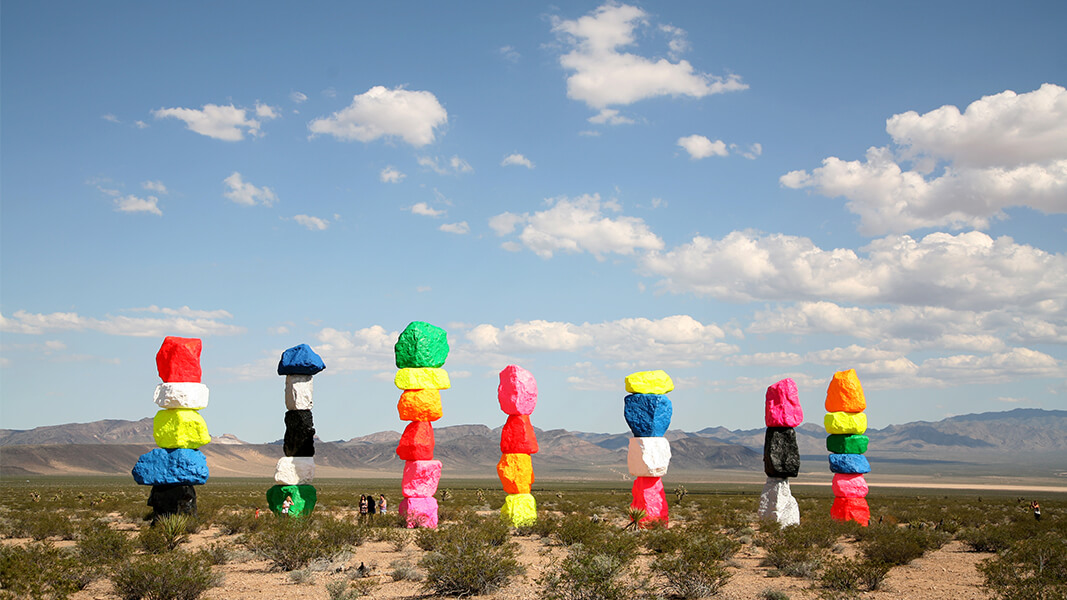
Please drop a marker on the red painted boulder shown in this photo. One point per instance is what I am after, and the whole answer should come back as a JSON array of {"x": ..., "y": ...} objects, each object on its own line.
[
  {"x": 178, "y": 360},
  {"x": 518, "y": 436},
  {"x": 650, "y": 497},
  {"x": 851, "y": 509},
  {"x": 417, "y": 442}
]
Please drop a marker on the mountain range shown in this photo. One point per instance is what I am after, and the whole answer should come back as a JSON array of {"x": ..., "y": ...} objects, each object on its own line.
[{"x": 1018, "y": 442}]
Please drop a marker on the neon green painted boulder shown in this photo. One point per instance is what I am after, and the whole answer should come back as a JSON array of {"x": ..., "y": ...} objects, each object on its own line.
[
  {"x": 303, "y": 500},
  {"x": 180, "y": 428},
  {"x": 421, "y": 345},
  {"x": 519, "y": 510}
]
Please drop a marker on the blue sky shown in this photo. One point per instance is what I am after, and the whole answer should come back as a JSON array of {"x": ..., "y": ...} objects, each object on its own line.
[{"x": 733, "y": 192}]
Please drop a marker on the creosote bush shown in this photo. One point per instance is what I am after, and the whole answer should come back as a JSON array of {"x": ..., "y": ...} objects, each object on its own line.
[
  {"x": 177, "y": 575},
  {"x": 469, "y": 558},
  {"x": 40, "y": 570},
  {"x": 1030, "y": 569},
  {"x": 587, "y": 574},
  {"x": 695, "y": 569},
  {"x": 99, "y": 544}
]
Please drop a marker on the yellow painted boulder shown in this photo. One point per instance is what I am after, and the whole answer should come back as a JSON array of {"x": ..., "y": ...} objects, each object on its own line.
[
  {"x": 180, "y": 428},
  {"x": 845, "y": 393},
  {"x": 519, "y": 510},
  {"x": 649, "y": 382},
  {"x": 424, "y": 378},
  {"x": 847, "y": 423},
  {"x": 420, "y": 405},
  {"x": 516, "y": 473}
]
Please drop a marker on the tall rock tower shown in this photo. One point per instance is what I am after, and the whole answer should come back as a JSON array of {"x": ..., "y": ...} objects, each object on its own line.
[
  {"x": 648, "y": 411},
  {"x": 781, "y": 454},
  {"x": 293, "y": 494},
  {"x": 517, "y": 394},
  {"x": 846, "y": 423}
]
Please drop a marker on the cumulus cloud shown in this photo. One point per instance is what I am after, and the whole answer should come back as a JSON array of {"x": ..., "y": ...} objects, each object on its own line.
[
  {"x": 154, "y": 186},
  {"x": 425, "y": 210},
  {"x": 412, "y": 116},
  {"x": 265, "y": 111},
  {"x": 458, "y": 228},
  {"x": 700, "y": 147},
  {"x": 1006, "y": 150},
  {"x": 604, "y": 75},
  {"x": 184, "y": 321},
  {"x": 579, "y": 225},
  {"x": 227, "y": 123},
  {"x": 312, "y": 223},
  {"x": 517, "y": 160},
  {"x": 391, "y": 175},
  {"x": 246, "y": 194},
  {"x": 135, "y": 204},
  {"x": 367, "y": 349}
]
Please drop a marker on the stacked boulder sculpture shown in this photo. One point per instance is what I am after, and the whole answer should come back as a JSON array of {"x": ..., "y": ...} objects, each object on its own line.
[
  {"x": 420, "y": 352},
  {"x": 781, "y": 454},
  {"x": 846, "y": 423},
  {"x": 177, "y": 465},
  {"x": 517, "y": 394},
  {"x": 648, "y": 413},
  {"x": 293, "y": 495}
]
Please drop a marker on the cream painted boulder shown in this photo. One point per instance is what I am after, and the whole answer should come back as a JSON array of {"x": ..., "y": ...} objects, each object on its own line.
[
  {"x": 298, "y": 392},
  {"x": 648, "y": 456},
  {"x": 294, "y": 470}
]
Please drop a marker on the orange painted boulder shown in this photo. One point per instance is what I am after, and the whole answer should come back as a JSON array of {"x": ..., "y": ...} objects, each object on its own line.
[
  {"x": 851, "y": 509},
  {"x": 516, "y": 473},
  {"x": 518, "y": 436},
  {"x": 178, "y": 359},
  {"x": 845, "y": 393},
  {"x": 417, "y": 442},
  {"x": 420, "y": 405}
]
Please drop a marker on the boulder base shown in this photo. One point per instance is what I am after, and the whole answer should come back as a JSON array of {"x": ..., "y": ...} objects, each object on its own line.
[
  {"x": 168, "y": 467},
  {"x": 178, "y": 359},
  {"x": 847, "y": 444},
  {"x": 421, "y": 345},
  {"x": 179, "y": 428},
  {"x": 649, "y": 382},
  {"x": 850, "y": 485},
  {"x": 299, "y": 392},
  {"x": 172, "y": 499},
  {"x": 516, "y": 473},
  {"x": 845, "y": 393},
  {"x": 419, "y": 512},
  {"x": 781, "y": 455},
  {"x": 782, "y": 408},
  {"x": 300, "y": 360},
  {"x": 648, "y": 415},
  {"x": 849, "y": 463},
  {"x": 422, "y": 379},
  {"x": 420, "y": 478},
  {"x": 845, "y": 423},
  {"x": 648, "y": 456},
  {"x": 299, "y": 437},
  {"x": 517, "y": 391},
  {"x": 519, "y": 510},
  {"x": 649, "y": 496},
  {"x": 851, "y": 509},
  {"x": 303, "y": 497},
  {"x": 517, "y": 436},
  {"x": 294, "y": 470},
  {"x": 420, "y": 405},
  {"x": 777, "y": 503},
  {"x": 181, "y": 395},
  {"x": 416, "y": 443}
]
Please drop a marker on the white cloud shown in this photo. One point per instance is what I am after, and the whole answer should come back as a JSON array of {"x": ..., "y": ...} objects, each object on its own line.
[
  {"x": 412, "y": 116},
  {"x": 579, "y": 225},
  {"x": 312, "y": 223},
  {"x": 425, "y": 210},
  {"x": 367, "y": 349},
  {"x": 391, "y": 175},
  {"x": 140, "y": 125},
  {"x": 454, "y": 165},
  {"x": 967, "y": 271},
  {"x": 185, "y": 312},
  {"x": 154, "y": 186},
  {"x": 246, "y": 194},
  {"x": 604, "y": 76},
  {"x": 265, "y": 111},
  {"x": 136, "y": 204},
  {"x": 1007, "y": 150},
  {"x": 458, "y": 228},
  {"x": 298, "y": 97},
  {"x": 227, "y": 123},
  {"x": 517, "y": 160},
  {"x": 193, "y": 324},
  {"x": 700, "y": 147},
  {"x": 110, "y": 118},
  {"x": 752, "y": 152},
  {"x": 609, "y": 116},
  {"x": 510, "y": 54}
]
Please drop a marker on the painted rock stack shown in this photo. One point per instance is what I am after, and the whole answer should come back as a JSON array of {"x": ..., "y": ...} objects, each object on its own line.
[
  {"x": 781, "y": 454},
  {"x": 517, "y": 394},
  {"x": 846, "y": 423},
  {"x": 648, "y": 413},
  {"x": 420, "y": 353},
  {"x": 293, "y": 494},
  {"x": 177, "y": 465}
]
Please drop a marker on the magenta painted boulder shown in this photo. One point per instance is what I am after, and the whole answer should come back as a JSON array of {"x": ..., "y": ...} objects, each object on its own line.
[
  {"x": 650, "y": 497},
  {"x": 849, "y": 485},
  {"x": 420, "y": 478},
  {"x": 517, "y": 391},
  {"x": 783, "y": 405},
  {"x": 419, "y": 512}
]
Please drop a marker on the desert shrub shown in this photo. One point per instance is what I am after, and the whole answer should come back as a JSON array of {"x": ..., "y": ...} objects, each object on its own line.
[
  {"x": 231, "y": 523},
  {"x": 342, "y": 589},
  {"x": 218, "y": 553},
  {"x": 587, "y": 574},
  {"x": 99, "y": 544},
  {"x": 41, "y": 525},
  {"x": 772, "y": 594},
  {"x": 165, "y": 533},
  {"x": 178, "y": 575},
  {"x": 899, "y": 546},
  {"x": 340, "y": 533},
  {"x": 1000, "y": 536},
  {"x": 851, "y": 575},
  {"x": 662, "y": 541},
  {"x": 469, "y": 559},
  {"x": 402, "y": 570},
  {"x": 289, "y": 544},
  {"x": 579, "y": 529},
  {"x": 695, "y": 569},
  {"x": 303, "y": 576},
  {"x": 797, "y": 550},
  {"x": 1031, "y": 569},
  {"x": 41, "y": 570},
  {"x": 544, "y": 526}
]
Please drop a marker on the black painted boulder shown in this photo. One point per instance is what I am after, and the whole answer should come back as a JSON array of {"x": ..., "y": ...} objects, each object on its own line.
[
  {"x": 299, "y": 433},
  {"x": 781, "y": 455},
  {"x": 173, "y": 499}
]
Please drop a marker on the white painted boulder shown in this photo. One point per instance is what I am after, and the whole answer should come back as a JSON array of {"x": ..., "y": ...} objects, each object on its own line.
[
  {"x": 294, "y": 470},
  {"x": 648, "y": 456},
  {"x": 183, "y": 394},
  {"x": 298, "y": 392}
]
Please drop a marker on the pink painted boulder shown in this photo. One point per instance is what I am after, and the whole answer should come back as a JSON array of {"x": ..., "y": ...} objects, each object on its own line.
[
  {"x": 517, "y": 436},
  {"x": 419, "y": 512},
  {"x": 517, "y": 391},
  {"x": 650, "y": 497},
  {"x": 420, "y": 478},
  {"x": 178, "y": 360},
  {"x": 849, "y": 485},
  {"x": 783, "y": 405}
]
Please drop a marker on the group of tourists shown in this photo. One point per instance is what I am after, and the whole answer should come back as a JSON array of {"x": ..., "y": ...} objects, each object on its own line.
[{"x": 368, "y": 505}]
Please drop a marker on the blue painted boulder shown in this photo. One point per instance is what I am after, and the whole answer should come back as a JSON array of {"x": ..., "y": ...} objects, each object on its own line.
[
  {"x": 648, "y": 415},
  {"x": 300, "y": 360},
  {"x": 163, "y": 466},
  {"x": 849, "y": 463}
]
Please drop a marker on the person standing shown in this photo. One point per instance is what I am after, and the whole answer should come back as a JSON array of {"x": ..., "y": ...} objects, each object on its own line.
[
  {"x": 370, "y": 504},
  {"x": 363, "y": 506},
  {"x": 382, "y": 503},
  {"x": 1037, "y": 510}
]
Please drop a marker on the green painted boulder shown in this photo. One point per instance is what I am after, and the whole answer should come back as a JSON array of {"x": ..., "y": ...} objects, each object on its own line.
[
  {"x": 421, "y": 345},
  {"x": 846, "y": 444},
  {"x": 303, "y": 499},
  {"x": 180, "y": 428}
]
